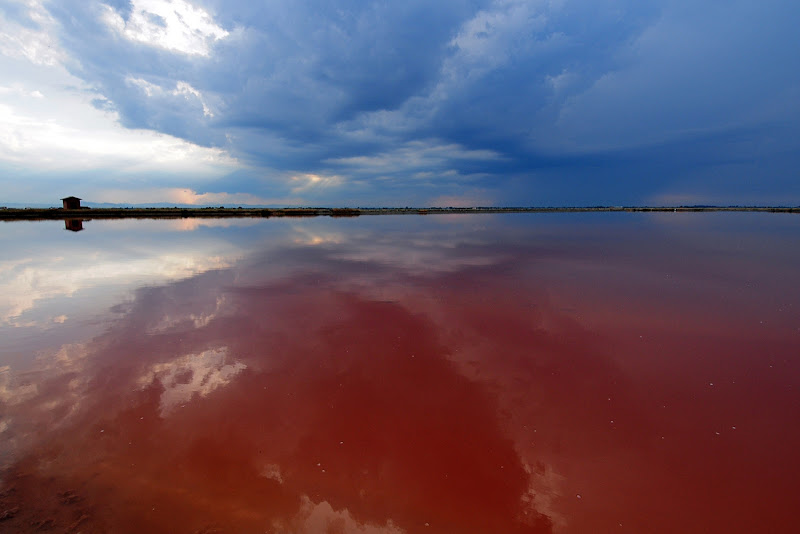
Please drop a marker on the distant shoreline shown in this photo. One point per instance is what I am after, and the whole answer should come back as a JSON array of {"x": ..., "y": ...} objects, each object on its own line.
[{"x": 28, "y": 214}]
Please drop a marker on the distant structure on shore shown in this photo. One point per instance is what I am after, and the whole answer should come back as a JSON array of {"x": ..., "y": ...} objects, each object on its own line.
[{"x": 71, "y": 203}]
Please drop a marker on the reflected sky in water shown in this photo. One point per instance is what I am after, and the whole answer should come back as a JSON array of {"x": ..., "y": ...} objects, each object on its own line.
[{"x": 515, "y": 373}]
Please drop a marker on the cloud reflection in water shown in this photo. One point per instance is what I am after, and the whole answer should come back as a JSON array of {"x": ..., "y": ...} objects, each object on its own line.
[{"x": 341, "y": 385}]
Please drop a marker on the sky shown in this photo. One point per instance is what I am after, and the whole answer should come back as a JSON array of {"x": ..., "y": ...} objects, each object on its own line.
[{"x": 367, "y": 103}]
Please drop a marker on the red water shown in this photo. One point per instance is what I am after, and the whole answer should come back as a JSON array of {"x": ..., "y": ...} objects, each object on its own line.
[{"x": 576, "y": 380}]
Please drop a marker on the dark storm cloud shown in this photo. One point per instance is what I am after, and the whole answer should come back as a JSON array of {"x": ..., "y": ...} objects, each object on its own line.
[{"x": 532, "y": 90}]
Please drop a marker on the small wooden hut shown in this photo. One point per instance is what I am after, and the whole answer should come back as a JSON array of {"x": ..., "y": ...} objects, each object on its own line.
[
  {"x": 71, "y": 203},
  {"x": 73, "y": 225}
]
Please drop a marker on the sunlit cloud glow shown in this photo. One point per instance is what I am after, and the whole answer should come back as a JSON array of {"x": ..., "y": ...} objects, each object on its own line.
[
  {"x": 180, "y": 196},
  {"x": 307, "y": 181}
]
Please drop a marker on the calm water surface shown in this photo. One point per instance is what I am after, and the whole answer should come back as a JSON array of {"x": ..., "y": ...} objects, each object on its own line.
[{"x": 441, "y": 374}]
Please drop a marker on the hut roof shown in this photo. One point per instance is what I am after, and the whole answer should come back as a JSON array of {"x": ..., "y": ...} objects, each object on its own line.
[{"x": 71, "y": 198}]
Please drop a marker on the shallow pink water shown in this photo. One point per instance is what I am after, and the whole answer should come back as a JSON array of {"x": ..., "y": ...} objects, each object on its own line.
[{"x": 406, "y": 374}]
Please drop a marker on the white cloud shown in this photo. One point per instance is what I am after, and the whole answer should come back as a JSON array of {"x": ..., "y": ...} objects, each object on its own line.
[
  {"x": 544, "y": 491},
  {"x": 150, "y": 89},
  {"x": 19, "y": 90},
  {"x": 419, "y": 254},
  {"x": 183, "y": 89},
  {"x": 272, "y": 472},
  {"x": 12, "y": 392},
  {"x": 26, "y": 282},
  {"x": 428, "y": 154},
  {"x": 42, "y": 141},
  {"x": 487, "y": 42},
  {"x": 37, "y": 45},
  {"x": 190, "y": 225},
  {"x": 561, "y": 81},
  {"x": 490, "y": 38},
  {"x": 194, "y": 320},
  {"x": 190, "y": 375},
  {"x": 31, "y": 403},
  {"x": 174, "y": 25},
  {"x": 310, "y": 236},
  {"x": 322, "y": 517}
]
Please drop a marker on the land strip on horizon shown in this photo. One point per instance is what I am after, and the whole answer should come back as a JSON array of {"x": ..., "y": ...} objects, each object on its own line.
[{"x": 87, "y": 213}]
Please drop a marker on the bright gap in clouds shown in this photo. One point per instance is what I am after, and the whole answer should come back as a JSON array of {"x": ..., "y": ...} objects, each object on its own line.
[{"x": 174, "y": 25}]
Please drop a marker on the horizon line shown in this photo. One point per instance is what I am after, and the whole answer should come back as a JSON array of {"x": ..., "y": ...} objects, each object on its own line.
[{"x": 87, "y": 212}]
